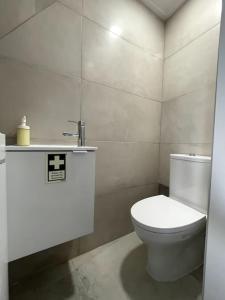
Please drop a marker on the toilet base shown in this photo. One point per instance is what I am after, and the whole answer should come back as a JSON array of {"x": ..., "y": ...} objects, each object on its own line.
[{"x": 170, "y": 262}]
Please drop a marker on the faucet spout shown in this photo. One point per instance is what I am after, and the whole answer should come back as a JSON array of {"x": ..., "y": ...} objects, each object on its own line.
[
  {"x": 81, "y": 130},
  {"x": 80, "y": 134}
]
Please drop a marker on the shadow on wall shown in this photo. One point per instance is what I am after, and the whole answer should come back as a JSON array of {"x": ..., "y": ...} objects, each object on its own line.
[
  {"x": 164, "y": 190},
  {"x": 140, "y": 286}
]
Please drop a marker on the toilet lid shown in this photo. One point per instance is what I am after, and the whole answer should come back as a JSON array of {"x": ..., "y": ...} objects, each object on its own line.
[{"x": 165, "y": 215}]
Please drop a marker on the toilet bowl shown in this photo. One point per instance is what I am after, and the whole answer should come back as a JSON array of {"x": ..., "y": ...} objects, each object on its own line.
[
  {"x": 174, "y": 234},
  {"x": 173, "y": 228}
]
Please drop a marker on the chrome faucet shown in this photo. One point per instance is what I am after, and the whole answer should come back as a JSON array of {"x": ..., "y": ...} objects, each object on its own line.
[{"x": 80, "y": 134}]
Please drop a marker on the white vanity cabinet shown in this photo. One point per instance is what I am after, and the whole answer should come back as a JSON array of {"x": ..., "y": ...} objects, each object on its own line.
[{"x": 42, "y": 214}]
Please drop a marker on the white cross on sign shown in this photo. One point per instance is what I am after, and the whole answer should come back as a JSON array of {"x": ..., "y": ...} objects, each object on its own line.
[{"x": 56, "y": 163}]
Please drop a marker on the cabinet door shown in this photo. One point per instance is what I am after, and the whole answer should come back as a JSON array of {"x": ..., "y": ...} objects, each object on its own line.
[{"x": 42, "y": 214}]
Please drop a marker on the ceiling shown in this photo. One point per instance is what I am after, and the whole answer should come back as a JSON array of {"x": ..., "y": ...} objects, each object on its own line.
[{"x": 163, "y": 8}]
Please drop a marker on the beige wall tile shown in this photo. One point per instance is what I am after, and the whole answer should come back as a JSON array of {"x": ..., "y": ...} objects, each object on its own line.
[
  {"x": 123, "y": 165},
  {"x": 76, "y": 5},
  {"x": 47, "y": 99},
  {"x": 131, "y": 20},
  {"x": 192, "y": 20},
  {"x": 51, "y": 39},
  {"x": 192, "y": 67},
  {"x": 13, "y": 13},
  {"x": 113, "y": 115},
  {"x": 116, "y": 210},
  {"x": 42, "y": 4},
  {"x": 110, "y": 60},
  {"x": 167, "y": 149},
  {"x": 125, "y": 171},
  {"x": 189, "y": 81},
  {"x": 189, "y": 118}
]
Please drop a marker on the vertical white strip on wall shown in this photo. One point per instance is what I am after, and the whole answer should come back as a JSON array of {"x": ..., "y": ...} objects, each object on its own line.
[
  {"x": 214, "y": 281},
  {"x": 3, "y": 224}
]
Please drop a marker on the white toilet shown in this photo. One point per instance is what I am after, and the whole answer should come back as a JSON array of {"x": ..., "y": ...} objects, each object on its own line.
[{"x": 173, "y": 228}]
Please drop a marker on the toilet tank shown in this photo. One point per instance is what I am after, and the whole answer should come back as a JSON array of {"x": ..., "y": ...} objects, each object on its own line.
[{"x": 190, "y": 180}]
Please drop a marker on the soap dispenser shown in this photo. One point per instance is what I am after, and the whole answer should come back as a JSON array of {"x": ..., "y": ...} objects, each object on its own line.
[{"x": 23, "y": 133}]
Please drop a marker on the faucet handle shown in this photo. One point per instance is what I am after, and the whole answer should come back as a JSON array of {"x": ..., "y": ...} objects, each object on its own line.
[
  {"x": 71, "y": 121},
  {"x": 79, "y": 123},
  {"x": 81, "y": 131}
]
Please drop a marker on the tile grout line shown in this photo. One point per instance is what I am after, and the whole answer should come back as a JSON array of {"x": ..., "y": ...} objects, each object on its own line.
[
  {"x": 70, "y": 8},
  {"x": 70, "y": 76},
  {"x": 125, "y": 188},
  {"x": 82, "y": 63},
  {"x": 107, "y": 29},
  {"x": 161, "y": 115},
  {"x": 186, "y": 143},
  {"x": 122, "y": 142},
  {"x": 202, "y": 87},
  {"x": 192, "y": 41},
  {"x": 82, "y": 75},
  {"x": 146, "y": 50},
  {"x": 121, "y": 90},
  {"x": 27, "y": 20},
  {"x": 39, "y": 68}
]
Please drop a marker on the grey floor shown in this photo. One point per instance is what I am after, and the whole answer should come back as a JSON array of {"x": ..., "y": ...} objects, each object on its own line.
[{"x": 115, "y": 271}]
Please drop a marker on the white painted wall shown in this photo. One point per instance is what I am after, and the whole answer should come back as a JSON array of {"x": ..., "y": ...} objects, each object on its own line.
[
  {"x": 3, "y": 225},
  {"x": 214, "y": 287}
]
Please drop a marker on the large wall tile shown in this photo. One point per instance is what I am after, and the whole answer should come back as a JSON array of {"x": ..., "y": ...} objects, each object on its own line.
[
  {"x": 113, "y": 115},
  {"x": 189, "y": 118},
  {"x": 193, "y": 66},
  {"x": 131, "y": 20},
  {"x": 122, "y": 165},
  {"x": 42, "y": 4},
  {"x": 192, "y": 38},
  {"x": 51, "y": 39},
  {"x": 13, "y": 13},
  {"x": 193, "y": 19},
  {"x": 167, "y": 149},
  {"x": 47, "y": 99},
  {"x": 76, "y": 5},
  {"x": 110, "y": 60},
  {"x": 116, "y": 210}
]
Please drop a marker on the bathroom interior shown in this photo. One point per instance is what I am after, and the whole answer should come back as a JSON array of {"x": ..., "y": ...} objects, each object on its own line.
[{"x": 111, "y": 152}]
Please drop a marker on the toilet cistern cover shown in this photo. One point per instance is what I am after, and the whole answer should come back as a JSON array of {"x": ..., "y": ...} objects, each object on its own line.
[{"x": 165, "y": 215}]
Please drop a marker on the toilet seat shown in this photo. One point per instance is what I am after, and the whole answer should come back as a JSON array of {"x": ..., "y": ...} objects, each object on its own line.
[{"x": 162, "y": 214}]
